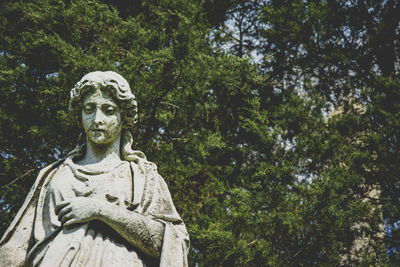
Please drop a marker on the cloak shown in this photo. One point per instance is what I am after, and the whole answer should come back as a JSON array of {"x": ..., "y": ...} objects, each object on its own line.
[{"x": 151, "y": 198}]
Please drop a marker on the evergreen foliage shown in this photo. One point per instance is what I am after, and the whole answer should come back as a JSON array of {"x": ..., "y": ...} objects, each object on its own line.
[{"x": 271, "y": 121}]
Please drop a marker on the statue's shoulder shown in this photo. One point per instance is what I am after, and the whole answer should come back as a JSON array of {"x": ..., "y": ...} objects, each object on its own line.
[
  {"x": 151, "y": 171},
  {"x": 45, "y": 170},
  {"x": 139, "y": 159},
  {"x": 150, "y": 166}
]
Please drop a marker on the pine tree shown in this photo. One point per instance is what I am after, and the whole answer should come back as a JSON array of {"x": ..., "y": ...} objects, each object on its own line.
[{"x": 270, "y": 143}]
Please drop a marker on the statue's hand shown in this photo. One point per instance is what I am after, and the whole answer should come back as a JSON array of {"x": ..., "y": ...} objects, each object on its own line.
[{"x": 78, "y": 210}]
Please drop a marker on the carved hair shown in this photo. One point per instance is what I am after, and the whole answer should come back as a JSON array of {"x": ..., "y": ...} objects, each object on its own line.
[
  {"x": 114, "y": 84},
  {"x": 120, "y": 91}
]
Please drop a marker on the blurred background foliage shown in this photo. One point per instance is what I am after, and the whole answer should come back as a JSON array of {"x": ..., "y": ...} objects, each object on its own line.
[{"x": 275, "y": 123}]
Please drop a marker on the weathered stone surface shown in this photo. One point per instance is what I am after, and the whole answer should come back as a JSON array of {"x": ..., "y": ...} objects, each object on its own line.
[{"x": 104, "y": 204}]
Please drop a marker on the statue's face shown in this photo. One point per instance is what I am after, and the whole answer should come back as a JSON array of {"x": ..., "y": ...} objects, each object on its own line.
[{"x": 101, "y": 118}]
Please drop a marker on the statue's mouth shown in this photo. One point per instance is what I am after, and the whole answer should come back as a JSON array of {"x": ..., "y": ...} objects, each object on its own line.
[{"x": 97, "y": 130}]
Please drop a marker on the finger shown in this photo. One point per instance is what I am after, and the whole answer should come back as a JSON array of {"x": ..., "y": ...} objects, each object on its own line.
[
  {"x": 66, "y": 218},
  {"x": 71, "y": 221},
  {"x": 63, "y": 212},
  {"x": 60, "y": 205}
]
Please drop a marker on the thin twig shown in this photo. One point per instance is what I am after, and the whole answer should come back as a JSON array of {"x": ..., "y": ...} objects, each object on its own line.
[
  {"x": 170, "y": 104},
  {"x": 19, "y": 178}
]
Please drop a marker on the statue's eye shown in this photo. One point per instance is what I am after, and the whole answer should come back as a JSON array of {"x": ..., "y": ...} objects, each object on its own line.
[
  {"x": 88, "y": 108},
  {"x": 110, "y": 110}
]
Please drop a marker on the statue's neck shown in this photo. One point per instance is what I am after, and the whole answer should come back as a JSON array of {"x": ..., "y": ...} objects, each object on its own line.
[{"x": 104, "y": 154}]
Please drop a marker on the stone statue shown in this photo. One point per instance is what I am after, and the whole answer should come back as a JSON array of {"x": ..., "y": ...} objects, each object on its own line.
[{"x": 104, "y": 204}]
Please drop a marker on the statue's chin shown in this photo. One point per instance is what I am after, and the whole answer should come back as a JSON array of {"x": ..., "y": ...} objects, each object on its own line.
[{"x": 99, "y": 139}]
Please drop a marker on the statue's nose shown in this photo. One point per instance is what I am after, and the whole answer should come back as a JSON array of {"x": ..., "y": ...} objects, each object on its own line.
[{"x": 99, "y": 117}]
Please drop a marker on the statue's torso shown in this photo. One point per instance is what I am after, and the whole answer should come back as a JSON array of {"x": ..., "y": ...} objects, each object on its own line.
[{"x": 90, "y": 244}]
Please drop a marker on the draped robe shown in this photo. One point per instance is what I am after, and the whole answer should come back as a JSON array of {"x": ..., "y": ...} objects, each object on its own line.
[{"x": 37, "y": 238}]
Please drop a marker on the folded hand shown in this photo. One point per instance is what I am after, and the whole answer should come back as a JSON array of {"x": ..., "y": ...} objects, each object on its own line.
[{"x": 78, "y": 210}]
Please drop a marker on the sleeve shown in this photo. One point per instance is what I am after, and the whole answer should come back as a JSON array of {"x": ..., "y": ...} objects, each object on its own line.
[{"x": 157, "y": 203}]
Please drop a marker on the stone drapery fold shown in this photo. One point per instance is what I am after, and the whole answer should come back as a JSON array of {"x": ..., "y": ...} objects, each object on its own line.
[{"x": 151, "y": 198}]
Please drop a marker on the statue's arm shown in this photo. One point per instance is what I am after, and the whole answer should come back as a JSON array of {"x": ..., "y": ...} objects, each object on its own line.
[{"x": 139, "y": 230}]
